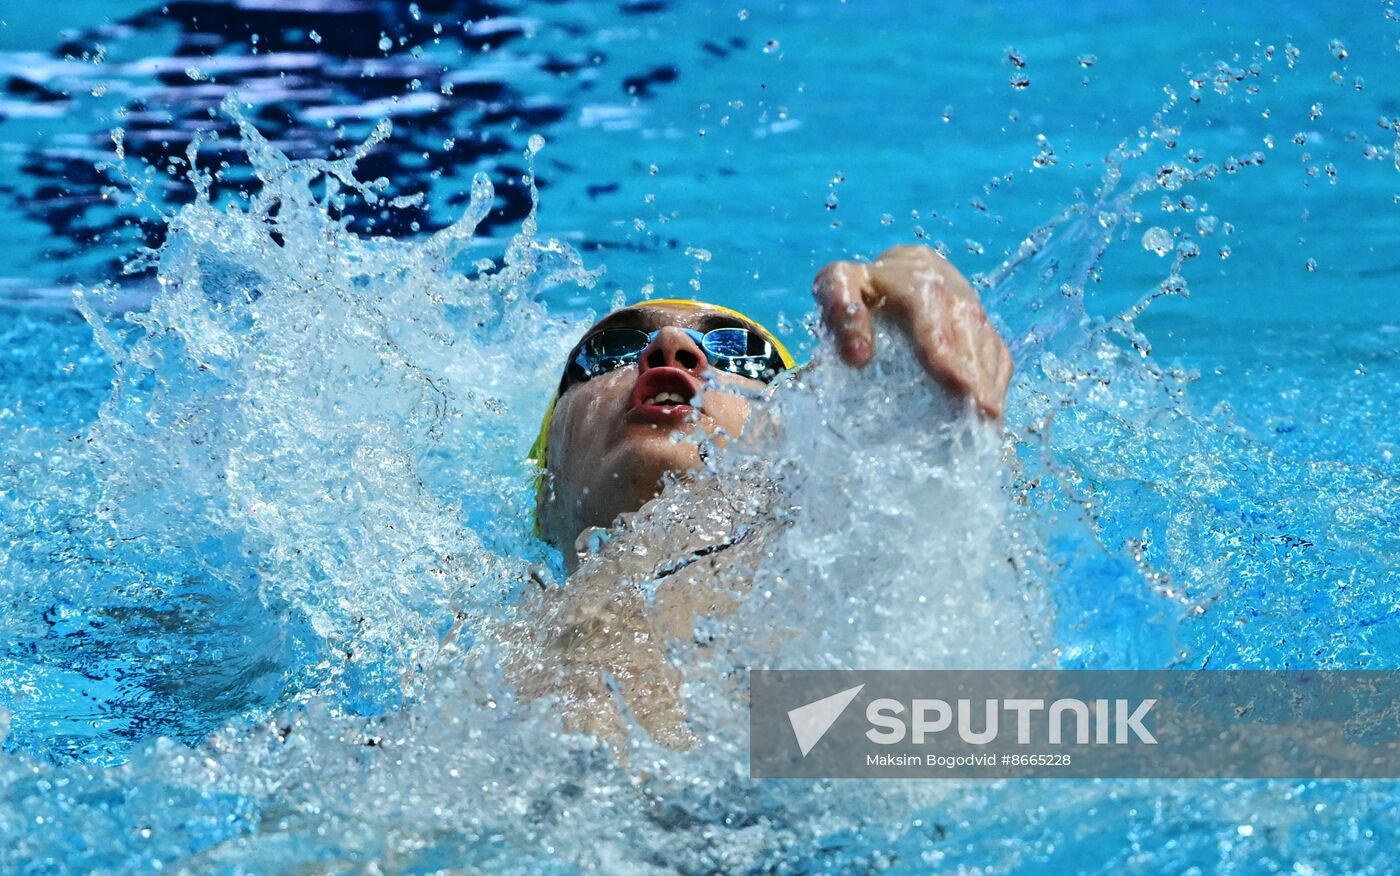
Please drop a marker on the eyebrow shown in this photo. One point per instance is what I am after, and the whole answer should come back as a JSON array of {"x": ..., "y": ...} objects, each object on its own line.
[
  {"x": 723, "y": 320},
  {"x": 628, "y": 318}
]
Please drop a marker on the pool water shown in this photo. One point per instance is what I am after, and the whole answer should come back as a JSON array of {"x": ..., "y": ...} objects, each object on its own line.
[{"x": 263, "y": 497}]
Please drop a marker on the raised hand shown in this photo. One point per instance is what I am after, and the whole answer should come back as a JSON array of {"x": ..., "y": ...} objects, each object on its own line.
[{"x": 935, "y": 306}]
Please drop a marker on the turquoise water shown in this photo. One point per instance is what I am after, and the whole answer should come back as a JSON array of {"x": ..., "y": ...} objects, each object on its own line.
[{"x": 228, "y": 575}]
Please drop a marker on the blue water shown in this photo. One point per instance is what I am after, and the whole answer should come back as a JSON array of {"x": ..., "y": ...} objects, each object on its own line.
[{"x": 226, "y": 577}]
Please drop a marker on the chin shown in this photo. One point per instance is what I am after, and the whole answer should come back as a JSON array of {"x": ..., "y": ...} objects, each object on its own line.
[
  {"x": 627, "y": 476},
  {"x": 646, "y": 454}
]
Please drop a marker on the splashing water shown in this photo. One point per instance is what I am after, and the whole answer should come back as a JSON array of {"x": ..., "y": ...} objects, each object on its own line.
[{"x": 294, "y": 542}]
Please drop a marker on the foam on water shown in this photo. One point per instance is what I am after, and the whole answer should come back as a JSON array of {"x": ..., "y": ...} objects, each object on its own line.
[{"x": 295, "y": 543}]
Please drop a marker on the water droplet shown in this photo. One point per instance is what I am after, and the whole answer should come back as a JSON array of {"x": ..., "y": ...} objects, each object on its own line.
[
  {"x": 1015, "y": 58},
  {"x": 886, "y": 219},
  {"x": 385, "y": 44},
  {"x": 315, "y": 37},
  {"x": 1224, "y": 253},
  {"x": 1020, "y": 80},
  {"x": 973, "y": 246},
  {"x": 1310, "y": 264},
  {"x": 1172, "y": 176},
  {"x": 1338, "y": 50},
  {"x": 1292, "y": 53},
  {"x": 771, "y": 46},
  {"x": 947, "y": 113},
  {"x": 653, "y": 169},
  {"x": 415, "y": 11},
  {"x": 1157, "y": 239},
  {"x": 831, "y": 201},
  {"x": 1315, "y": 111},
  {"x": 196, "y": 74},
  {"x": 743, "y": 15},
  {"x": 1087, "y": 60}
]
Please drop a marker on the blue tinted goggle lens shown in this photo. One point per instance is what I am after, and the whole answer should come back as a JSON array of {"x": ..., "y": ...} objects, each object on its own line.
[{"x": 730, "y": 342}]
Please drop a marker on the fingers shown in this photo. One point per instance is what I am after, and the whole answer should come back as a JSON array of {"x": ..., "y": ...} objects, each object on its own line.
[
  {"x": 992, "y": 368},
  {"x": 956, "y": 343},
  {"x": 901, "y": 271},
  {"x": 959, "y": 348},
  {"x": 840, "y": 289},
  {"x": 943, "y": 350},
  {"x": 935, "y": 305},
  {"x": 1005, "y": 368}
]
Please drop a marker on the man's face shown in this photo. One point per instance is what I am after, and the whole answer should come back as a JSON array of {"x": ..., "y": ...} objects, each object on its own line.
[{"x": 613, "y": 437}]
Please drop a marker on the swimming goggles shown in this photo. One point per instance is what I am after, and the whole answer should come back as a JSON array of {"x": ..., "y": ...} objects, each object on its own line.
[{"x": 732, "y": 349}]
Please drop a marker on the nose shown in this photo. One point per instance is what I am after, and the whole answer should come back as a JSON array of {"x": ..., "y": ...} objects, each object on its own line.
[{"x": 673, "y": 348}]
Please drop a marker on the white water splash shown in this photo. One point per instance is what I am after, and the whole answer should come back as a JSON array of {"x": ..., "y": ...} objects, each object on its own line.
[{"x": 333, "y": 426}]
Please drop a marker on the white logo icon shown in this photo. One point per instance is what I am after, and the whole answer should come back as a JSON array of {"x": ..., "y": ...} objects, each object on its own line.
[{"x": 810, "y": 722}]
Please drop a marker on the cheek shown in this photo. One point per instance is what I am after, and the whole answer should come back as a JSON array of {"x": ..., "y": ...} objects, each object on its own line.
[
  {"x": 729, "y": 411},
  {"x": 584, "y": 419}
]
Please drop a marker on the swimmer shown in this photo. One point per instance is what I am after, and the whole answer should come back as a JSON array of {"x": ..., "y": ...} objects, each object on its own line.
[{"x": 638, "y": 377}]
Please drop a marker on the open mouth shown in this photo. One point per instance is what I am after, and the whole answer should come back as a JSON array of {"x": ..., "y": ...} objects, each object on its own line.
[{"x": 665, "y": 394}]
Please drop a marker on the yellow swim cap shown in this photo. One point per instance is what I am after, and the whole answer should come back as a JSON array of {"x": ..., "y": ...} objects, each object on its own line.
[{"x": 539, "y": 449}]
